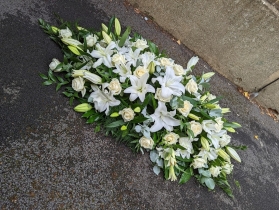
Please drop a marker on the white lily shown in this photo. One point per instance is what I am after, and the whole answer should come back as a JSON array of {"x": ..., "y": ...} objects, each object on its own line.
[
  {"x": 104, "y": 54},
  {"x": 192, "y": 62},
  {"x": 102, "y": 99},
  {"x": 216, "y": 138},
  {"x": 185, "y": 142},
  {"x": 124, "y": 70},
  {"x": 139, "y": 87},
  {"x": 210, "y": 126},
  {"x": 132, "y": 56},
  {"x": 148, "y": 57},
  {"x": 170, "y": 83},
  {"x": 92, "y": 77},
  {"x": 163, "y": 118},
  {"x": 208, "y": 155}
]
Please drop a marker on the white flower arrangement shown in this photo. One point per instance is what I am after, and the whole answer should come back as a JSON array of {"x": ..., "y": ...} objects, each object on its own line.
[{"x": 146, "y": 100}]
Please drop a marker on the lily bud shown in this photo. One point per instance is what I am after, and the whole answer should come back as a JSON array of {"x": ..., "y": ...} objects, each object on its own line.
[
  {"x": 123, "y": 127},
  {"x": 106, "y": 37},
  {"x": 233, "y": 154},
  {"x": 104, "y": 28},
  {"x": 205, "y": 143},
  {"x": 137, "y": 110},
  {"x": 236, "y": 124},
  {"x": 225, "y": 110},
  {"x": 84, "y": 107},
  {"x": 194, "y": 117},
  {"x": 230, "y": 129},
  {"x": 72, "y": 42},
  {"x": 210, "y": 106},
  {"x": 92, "y": 77},
  {"x": 172, "y": 175},
  {"x": 151, "y": 67},
  {"x": 81, "y": 29},
  {"x": 114, "y": 114},
  {"x": 74, "y": 50},
  {"x": 54, "y": 29},
  {"x": 203, "y": 98},
  {"x": 224, "y": 155},
  {"x": 117, "y": 27},
  {"x": 207, "y": 75},
  {"x": 78, "y": 73}
]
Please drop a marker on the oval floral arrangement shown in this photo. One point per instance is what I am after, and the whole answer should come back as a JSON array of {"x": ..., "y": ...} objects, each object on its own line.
[{"x": 146, "y": 100}]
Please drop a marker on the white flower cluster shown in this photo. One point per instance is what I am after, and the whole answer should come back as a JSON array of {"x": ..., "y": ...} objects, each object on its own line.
[{"x": 181, "y": 119}]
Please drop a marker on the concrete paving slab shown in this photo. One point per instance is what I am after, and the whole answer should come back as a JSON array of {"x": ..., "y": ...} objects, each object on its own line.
[
  {"x": 51, "y": 159},
  {"x": 239, "y": 39}
]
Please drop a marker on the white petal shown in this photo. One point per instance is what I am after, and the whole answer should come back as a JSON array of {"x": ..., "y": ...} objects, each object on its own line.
[
  {"x": 157, "y": 126},
  {"x": 98, "y": 62}
]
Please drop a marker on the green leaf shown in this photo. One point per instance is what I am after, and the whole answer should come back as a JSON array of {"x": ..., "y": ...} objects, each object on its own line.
[
  {"x": 226, "y": 124},
  {"x": 215, "y": 100},
  {"x": 191, "y": 100},
  {"x": 51, "y": 76},
  {"x": 205, "y": 85},
  {"x": 43, "y": 76},
  {"x": 115, "y": 124},
  {"x": 209, "y": 182},
  {"x": 139, "y": 119},
  {"x": 97, "y": 128},
  {"x": 110, "y": 24},
  {"x": 88, "y": 113},
  {"x": 224, "y": 185},
  {"x": 186, "y": 176},
  {"x": 48, "y": 82},
  {"x": 60, "y": 79},
  {"x": 124, "y": 37},
  {"x": 71, "y": 100},
  {"x": 68, "y": 94},
  {"x": 153, "y": 48},
  {"x": 184, "y": 159},
  {"x": 93, "y": 118},
  {"x": 237, "y": 183},
  {"x": 58, "y": 86}
]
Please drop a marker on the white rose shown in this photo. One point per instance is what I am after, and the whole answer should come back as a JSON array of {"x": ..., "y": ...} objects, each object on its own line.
[
  {"x": 115, "y": 87},
  {"x": 78, "y": 85},
  {"x": 118, "y": 59},
  {"x": 215, "y": 170},
  {"x": 196, "y": 128},
  {"x": 178, "y": 70},
  {"x": 170, "y": 138},
  {"x": 146, "y": 143},
  {"x": 225, "y": 140},
  {"x": 65, "y": 33},
  {"x": 127, "y": 114},
  {"x": 227, "y": 168},
  {"x": 140, "y": 70},
  {"x": 54, "y": 63},
  {"x": 158, "y": 95},
  {"x": 91, "y": 40},
  {"x": 192, "y": 86},
  {"x": 141, "y": 44},
  {"x": 198, "y": 163},
  {"x": 166, "y": 62},
  {"x": 186, "y": 109}
]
